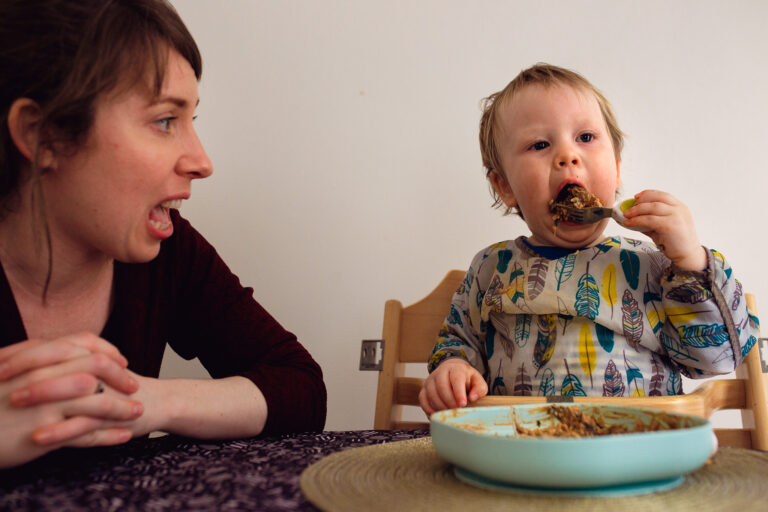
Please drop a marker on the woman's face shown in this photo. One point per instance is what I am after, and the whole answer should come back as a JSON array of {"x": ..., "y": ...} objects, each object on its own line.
[{"x": 112, "y": 195}]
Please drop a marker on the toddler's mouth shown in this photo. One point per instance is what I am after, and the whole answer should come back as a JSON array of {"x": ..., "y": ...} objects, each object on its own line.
[{"x": 571, "y": 195}]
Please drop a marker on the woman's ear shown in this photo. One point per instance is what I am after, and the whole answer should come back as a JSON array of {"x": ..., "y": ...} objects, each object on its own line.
[
  {"x": 502, "y": 188},
  {"x": 24, "y": 118}
]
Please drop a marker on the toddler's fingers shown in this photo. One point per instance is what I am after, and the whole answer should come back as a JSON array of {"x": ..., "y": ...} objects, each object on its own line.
[
  {"x": 459, "y": 387},
  {"x": 433, "y": 396},
  {"x": 424, "y": 402},
  {"x": 444, "y": 388},
  {"x": 477, "y": 386}
]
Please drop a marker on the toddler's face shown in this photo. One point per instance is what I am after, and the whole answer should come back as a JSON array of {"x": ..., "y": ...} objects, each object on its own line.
[{"x": 550, "y": 137}]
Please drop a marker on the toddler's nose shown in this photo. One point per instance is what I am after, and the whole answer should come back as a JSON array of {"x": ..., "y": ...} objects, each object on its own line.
[{"x": 562, "y": 162}]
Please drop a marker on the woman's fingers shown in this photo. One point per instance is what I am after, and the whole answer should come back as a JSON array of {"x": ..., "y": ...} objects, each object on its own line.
[
  {"x": 101, "y": 437},
  {"x": 105, "y": 406},
  {"x": 83, "y": 373},
  {"x": 30, "y": 355},
  {"x": 55, "y": 389}
]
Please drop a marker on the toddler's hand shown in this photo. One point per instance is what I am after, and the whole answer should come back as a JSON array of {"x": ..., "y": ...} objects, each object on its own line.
[
  {"x": 671, "y": 228},
  {"x": 447, "y": 386}
]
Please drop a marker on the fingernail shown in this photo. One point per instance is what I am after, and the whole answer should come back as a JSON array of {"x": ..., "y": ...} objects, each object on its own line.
[
  {"x": 4, "y": 370},
  {"x": 137, "y": 409},
  {"x": 19, "y": 396},
  {"x": 133, "y": 383}
]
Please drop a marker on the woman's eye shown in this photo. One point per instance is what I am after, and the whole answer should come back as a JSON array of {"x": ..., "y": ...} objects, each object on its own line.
[
  {"x": 538, "y": 146},
  {"x": 165, "y": 123},
  {"x": 586, "y": 137}
]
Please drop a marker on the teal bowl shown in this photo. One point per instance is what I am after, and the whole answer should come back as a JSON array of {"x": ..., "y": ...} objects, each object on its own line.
[{"x": 485, "y": 442}]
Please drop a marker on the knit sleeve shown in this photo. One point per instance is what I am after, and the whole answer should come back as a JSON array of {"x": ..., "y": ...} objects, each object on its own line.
[{"x": 218, "y": 320}]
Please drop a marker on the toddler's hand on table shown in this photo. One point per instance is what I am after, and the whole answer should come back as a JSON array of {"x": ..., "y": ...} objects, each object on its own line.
[
  {"x": 453, "y": 384},
  {"x": 671, "y": 228}
]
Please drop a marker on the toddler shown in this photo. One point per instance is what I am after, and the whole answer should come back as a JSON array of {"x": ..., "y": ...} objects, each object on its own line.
[{"x": 567, "y": 310}]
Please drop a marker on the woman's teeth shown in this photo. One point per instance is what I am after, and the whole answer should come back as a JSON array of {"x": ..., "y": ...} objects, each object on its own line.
[
  {"x": 160, "y": 225},
  {"x": 176, "y": 204}
]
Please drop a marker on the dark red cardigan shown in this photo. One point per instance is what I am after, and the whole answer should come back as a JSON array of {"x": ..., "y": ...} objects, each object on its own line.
[{"x": 189, "y": 298}]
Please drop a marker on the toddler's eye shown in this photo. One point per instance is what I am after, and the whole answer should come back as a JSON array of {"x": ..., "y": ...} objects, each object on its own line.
[
  {"x": 586, "y": 137},
  {"x": 538, "y": 146}
]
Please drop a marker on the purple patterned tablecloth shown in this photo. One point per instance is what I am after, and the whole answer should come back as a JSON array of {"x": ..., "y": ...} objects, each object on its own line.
[{"x": 174, "y": 473}]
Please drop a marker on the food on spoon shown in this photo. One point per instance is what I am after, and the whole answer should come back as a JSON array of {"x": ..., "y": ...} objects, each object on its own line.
[{"x": 574, "y": 196}]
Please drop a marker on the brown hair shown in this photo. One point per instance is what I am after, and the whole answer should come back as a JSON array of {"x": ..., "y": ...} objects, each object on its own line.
[
  {"x": 542, "y": 74},
  {"x": 65, "y": 54}
]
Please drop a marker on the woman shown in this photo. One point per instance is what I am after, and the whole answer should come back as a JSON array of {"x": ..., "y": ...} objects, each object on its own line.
[{"x": 97, "y": 269}]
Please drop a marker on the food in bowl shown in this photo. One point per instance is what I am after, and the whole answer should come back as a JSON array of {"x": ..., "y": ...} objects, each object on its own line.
[{"x": 579, "y": 422}]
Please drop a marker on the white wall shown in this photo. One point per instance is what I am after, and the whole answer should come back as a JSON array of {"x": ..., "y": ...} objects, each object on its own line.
[{"x": 344, "y": 141}]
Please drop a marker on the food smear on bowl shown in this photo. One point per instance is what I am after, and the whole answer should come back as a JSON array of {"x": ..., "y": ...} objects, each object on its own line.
[
  {"x": 571, "y": 196},
  {"x": 575, "y": 422}
]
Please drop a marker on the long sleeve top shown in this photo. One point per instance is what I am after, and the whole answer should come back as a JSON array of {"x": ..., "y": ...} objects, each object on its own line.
[
  {"x": 616, "y": 319},
  {"x": 188, "y": 297}
]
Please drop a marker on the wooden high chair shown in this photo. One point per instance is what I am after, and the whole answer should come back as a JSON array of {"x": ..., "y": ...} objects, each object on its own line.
[{"x": 410, "y": 332}]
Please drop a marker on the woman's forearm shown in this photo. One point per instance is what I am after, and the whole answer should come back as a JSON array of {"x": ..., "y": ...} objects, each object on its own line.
[{"x": 203, "y": 408}]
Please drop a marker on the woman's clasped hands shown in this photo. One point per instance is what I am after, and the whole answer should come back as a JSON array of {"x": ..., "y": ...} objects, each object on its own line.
[{"x": 51, "y": 396}]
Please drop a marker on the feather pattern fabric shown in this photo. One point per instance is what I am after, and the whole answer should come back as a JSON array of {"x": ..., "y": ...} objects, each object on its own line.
[
  {"x": 608, "y": 286},
  {"x": 635, "y": 379},
  {"x": 523, "y": 385},
  {"x": 630, "y": 263},
  {"x": 604, "y": 337},
  {"x": 736, "y": 296},
  {"x": 522, "y": 329},
  {"x": 657, "y": 376},
  {"x": 632, "y": 319},
  {"x": 537, "y": 278},
  {"x": 689, "y": 293},
  {"x": 545, "y": 341},
  {"x": 614, "y": 384},
  {"x": 571, "y": 384},
  {"x": 710, "y": 335},
  {"x": 674, "y": 384},
  {"x": 547, "y": 383},
  {"x": 524, "y": 315},
  {"x": 516, "y": 289},
  {"x": 654, "y": 313},
  {"x": 498, "y": 387},
  {"x": 564, "y": 269},
  {"x": 587, "y": 354},
  {"x": 587, "y": 296}
]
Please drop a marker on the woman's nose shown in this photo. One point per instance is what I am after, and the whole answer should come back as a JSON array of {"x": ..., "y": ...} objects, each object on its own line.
[{"x": 195, "y": 162}]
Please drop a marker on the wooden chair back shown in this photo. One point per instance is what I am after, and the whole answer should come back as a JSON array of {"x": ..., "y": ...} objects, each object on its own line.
[{"x": 410, "y": 332}]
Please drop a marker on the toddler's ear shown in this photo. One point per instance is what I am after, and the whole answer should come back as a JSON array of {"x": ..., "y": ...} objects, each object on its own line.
[
  {"x": 503, "y": 189},
  {"x": 618, "y": 173}
]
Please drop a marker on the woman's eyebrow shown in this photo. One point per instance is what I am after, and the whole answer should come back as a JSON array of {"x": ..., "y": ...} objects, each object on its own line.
[{"x": 179, "y": 102}]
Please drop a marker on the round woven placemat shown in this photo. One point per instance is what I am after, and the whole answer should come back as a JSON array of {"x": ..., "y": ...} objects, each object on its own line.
[{"x": 410, "y": 475}]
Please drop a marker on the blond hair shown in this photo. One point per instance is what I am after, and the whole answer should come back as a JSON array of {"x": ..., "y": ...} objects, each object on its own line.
[{"x": 548, "y": 76}]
